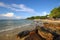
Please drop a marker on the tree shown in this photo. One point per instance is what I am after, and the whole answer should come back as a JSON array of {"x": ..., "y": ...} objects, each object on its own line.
[
  {"x": 55, "y": 13},
  {"x": 31, "y": 17},
  {"x": 38, "y": 17}
]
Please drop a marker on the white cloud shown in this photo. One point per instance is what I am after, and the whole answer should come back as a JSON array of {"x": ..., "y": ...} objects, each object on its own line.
[
  {"x": 44, "y": 13},
  {"x": 9, "y": 16},
  {"x": 4, "y": 5},
  {"x": 22, "y": 7},
  {"x": 17, "y": 7},
  {"x": 18, "y": 17}
]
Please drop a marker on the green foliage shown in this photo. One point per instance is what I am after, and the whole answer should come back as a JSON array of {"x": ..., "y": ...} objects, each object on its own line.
[
  {"x": 43, "y": 17},
  {"x": 38, "y": 17},
  {"x": 55, "y": 13},
  {"x": 31, "y": 17}
]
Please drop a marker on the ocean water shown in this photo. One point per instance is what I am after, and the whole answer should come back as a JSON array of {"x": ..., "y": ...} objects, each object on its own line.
[{"x": 6, "y": 25}]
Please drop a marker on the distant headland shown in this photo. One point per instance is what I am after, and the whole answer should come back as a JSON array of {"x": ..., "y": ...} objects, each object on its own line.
[{"x": 54, "y": 14}]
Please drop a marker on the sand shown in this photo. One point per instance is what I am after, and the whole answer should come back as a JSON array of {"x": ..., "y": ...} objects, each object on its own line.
[
  {"x": 12, "y": 34},
  {"x": 53, "y": 21}
]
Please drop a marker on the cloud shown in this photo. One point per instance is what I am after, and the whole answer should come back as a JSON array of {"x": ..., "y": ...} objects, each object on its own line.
[
  {"x": 17, "y": 7},
  {"x": 22, "y": 7},
  {"x": 18, "y": 17},
  {"x": 9, "y": 16},
  {"x": 4, "y": 5},
  {"x": 43, "y": 13}
]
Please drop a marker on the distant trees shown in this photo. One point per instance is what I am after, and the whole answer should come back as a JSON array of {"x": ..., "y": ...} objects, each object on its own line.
[
  {"x": 37, "y": 17},
  {"x": 31, "y": 17},
  {"x": 55, "y": 13}
]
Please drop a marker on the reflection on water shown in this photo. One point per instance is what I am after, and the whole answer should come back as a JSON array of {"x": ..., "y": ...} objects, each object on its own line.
[{"x": 6, "y": 24}]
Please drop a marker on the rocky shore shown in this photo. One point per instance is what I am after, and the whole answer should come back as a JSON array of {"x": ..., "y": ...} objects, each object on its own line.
[{"x": 50, "y": 31}]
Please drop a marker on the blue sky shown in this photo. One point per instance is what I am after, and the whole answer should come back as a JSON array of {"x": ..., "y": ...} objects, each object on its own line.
[{"x": 20, "y": 9}]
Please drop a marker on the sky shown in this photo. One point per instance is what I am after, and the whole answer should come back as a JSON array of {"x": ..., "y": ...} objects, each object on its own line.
[{"x": 21, "y": 9}]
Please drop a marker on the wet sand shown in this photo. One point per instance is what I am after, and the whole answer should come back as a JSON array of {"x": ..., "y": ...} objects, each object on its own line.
[{"x": 12, "y": 34}]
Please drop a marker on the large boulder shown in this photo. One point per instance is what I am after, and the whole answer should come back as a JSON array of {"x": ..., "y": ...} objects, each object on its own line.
[
  {"x": 34, "y": 36},
  {"x": 23, "y": 33}
]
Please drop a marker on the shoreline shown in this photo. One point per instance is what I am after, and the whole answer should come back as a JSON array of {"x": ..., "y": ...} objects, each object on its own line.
[
  {"x": 52, "y": 21},
  {"x": 9, "y": 29},
  {"x": 11, "y": 34}
]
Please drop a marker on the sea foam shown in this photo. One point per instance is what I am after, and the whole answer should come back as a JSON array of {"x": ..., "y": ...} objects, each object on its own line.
[{"x": 14, "y": 27}]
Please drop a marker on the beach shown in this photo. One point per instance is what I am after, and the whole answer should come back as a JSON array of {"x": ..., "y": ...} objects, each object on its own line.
[
  {"x": 12, "y": 34},
  {"x": 10, "y": 28},
  {"x": 53, "y": 21}
]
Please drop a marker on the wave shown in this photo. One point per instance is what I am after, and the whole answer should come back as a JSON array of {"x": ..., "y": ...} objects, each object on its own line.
[{"x": 14, "y": 28}]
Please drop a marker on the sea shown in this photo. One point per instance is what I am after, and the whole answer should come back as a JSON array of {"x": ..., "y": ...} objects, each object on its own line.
[{"x": 6, "y": 25}]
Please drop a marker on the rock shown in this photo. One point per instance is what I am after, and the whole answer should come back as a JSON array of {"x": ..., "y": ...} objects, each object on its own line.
[
  {"x": 57, "y": 38},
  {"x": 34, "y": 36},
  {"x": 23, "y": 34}
]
